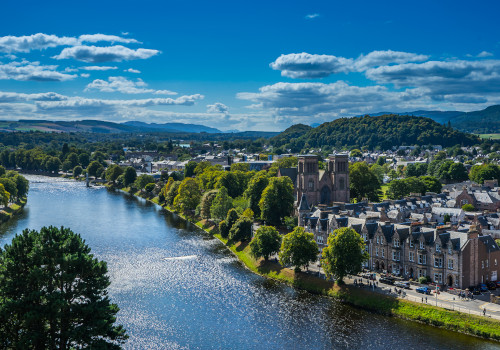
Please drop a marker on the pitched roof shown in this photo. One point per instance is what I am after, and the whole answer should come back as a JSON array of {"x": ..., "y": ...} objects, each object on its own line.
[
  {"x": 303, "y": 203},
  {"x": 290, "y": 172}
]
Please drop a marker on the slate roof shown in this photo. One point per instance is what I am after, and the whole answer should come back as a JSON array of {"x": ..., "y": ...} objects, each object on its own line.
[
  {"x": 490, "y": 243},
  {"x": 291, "y": 173},
  {"x": 303, "y": 203},
  {"x": 342, "y": 221},
  {"x": 371, "y": 227}
]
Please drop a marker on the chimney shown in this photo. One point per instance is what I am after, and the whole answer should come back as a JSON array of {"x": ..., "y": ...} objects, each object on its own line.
[{"x": 473, "y": 232}]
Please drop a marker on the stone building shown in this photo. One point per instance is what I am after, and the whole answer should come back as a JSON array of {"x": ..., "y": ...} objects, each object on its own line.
[{"x": 320, "y": 186}]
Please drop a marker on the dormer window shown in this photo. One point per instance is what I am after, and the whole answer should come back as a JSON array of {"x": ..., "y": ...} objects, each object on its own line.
[
  {"x": 421, "y": 245},
  {"x": 450, "y": 250},
  {"x": 438, "y": 248},
  {"x": 411, "y": 243},
  {"x": 381, "y": 240},
  {"x": 378, "y": 241},
  {"x": 396, "y": 242}
]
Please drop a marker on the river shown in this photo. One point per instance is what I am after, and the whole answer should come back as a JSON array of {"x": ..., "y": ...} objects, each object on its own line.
[{"x": 178, "y": 288}]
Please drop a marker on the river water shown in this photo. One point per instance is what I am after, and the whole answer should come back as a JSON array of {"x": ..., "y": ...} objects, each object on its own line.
[{"x": 177, "y": 288}]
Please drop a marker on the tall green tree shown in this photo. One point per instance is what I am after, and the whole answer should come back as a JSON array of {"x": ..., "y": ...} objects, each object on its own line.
[
  {"x": 241, "y": 230},
  {"x": 144, "y": 179},
  {"x": 112, "y": 172},
  {"x": 53, "y": 294},
  {"x": 266, "y": 242},
  {"x": 93, "y": 168},
  {"x": 277, "y": 200},
  {"x": 189, "y": 168},
  {"x": 254, "y": 191},
  {"x": 363, "y": 183},
  {"x": 344, "y": 254},
  {"x": 221, "y": 205},
  {"x": 188, "y": 196},
  {"x": 298, "y": 248},
  {"x": 129, "y": 176},
  {"x": 172, "y": 193},
  {"x": 432, "y": 184}
]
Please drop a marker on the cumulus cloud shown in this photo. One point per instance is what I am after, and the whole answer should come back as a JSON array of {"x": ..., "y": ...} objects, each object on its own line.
[
  {"x": 305, "y": 65},
  {"x": 125, "y": 86},
  {"x": 132, "y": 70},
  {"x": 484, "y": 54},
  {"x": 312, "y": 16},
  {"x": 309, "y": 66},
  {"x": 381, "y": 58},
  {"x": 7, "y": 97},
  {"x": 32, "y": 71},
  {"x": 217, "y": 108},
  {"x": 99, "y": 68},
  {"x": 41, "y": 41},
  {"x": 85, "y": 75},
  {"x": 96, "y": 54}
]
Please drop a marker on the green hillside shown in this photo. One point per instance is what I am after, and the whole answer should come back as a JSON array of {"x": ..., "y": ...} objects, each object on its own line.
[
  {"x": 486, "y": 121},
  {"x": 383, "y": 132}
]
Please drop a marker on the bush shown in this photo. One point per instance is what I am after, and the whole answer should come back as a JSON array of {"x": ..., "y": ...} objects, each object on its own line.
[
  {"x": 149, "y": 187},
  {"x": 241, "y": 230},
  {"x": 468, "y": 207},
  {"x": 223, "y": 229}
]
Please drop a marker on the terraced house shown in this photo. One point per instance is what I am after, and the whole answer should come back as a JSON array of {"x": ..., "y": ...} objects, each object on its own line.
[{"x": 450, "y": 257}]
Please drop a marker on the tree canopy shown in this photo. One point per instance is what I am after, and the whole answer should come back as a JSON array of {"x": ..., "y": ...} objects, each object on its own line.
[
  {"x": 266, "y": 242},
  {"x": 53, "y": 294},
  {"x": 363, "y": 182},
  {"x": 277, "y": 200},
  {"x": 298, "y": 248}
]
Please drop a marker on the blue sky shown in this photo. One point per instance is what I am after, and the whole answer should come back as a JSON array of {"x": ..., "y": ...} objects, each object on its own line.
[{"x": 260, "y": 65}]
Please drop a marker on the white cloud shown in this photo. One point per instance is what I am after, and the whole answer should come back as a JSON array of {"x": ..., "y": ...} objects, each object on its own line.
[
  {"x": 96, "y": 54},
  {"x": 312, "y": 16},
  {"x": 132, "y": 70},
  {"x": 85, "y": 75},
  {"x": 125, "y": 86},
  {"x": 102, "y": 68},
  {"x": 6, "y": 97},
  {"x": 41, "y": 41},
  {"x": 381, "y": 58},
  {"x": 217, "y": 108},
  {"x": 37, "y": 41},
  {"x": 484, "y": 54},
  {"x": 309, "y": 66},
  {"x": 305, "y": 65},
  {"x": 32, "y": 71},
  {"x": 94, "y": 38}
]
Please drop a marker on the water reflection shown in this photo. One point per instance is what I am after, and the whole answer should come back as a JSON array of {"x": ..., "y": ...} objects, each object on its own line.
[{"x": 207, "y": 300}]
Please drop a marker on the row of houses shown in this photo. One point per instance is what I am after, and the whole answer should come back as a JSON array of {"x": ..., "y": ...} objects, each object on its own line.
[{"x": 455, "y": 255}]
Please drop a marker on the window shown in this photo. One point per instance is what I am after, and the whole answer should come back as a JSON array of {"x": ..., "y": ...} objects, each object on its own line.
[
  {"x": 421, "y": 273},
  {"x": 438, "y": 262},
  {"x": 450, "y": 264},
  {"x": 465, "y": 201},
  {"x": 310, "y": 185},
  {"x": 320, "y": 239},
  {"x": 495, "y": 262},
  {"x": 422, "y": 259},
  {"x": 438, "y": 277},
  {"x": 383, "y": 253},
  {"x": 438, "y": 248},
  {"x": 364, "y": 237},
  {"x": 395, "y": 256},
  {"x": 376, "y": 251},
  {"x": 411, "y": 243},
  {"x": 421, "y": 244},
  {"x": 487, "y": 263},
  {"x": 381, "y": 240},
  {"x": 396, "y": 242},
  {"x": 450, "y": 250},
  {"x": 412, "y": 256},
  {"x": 378, "y": 240},
  {"x": 341, "y": 184},
  {"x": 482, "y": 264}
]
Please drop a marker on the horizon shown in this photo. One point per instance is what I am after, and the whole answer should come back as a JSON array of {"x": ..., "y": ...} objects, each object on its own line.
[{"x": 230, "y": 66}]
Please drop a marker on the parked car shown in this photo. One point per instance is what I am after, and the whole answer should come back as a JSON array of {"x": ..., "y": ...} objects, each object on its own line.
[
  {"x": 386, "y": 280},
  {"x": 498, "y": 284},
  {"x": 424, "y": 290},
  {"x": 491, "y": 285},
  {"x": 482, "y": 287},
  {"x": 402, "y": 284}
]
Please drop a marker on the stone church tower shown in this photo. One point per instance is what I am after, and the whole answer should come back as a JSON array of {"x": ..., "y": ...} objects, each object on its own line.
[{"x": 322, "y": 186}]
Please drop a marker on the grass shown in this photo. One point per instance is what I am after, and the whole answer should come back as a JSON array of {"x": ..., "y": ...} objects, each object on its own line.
[
  {"x": 384, "y": 189},
  {"x": 375, "y": 302},
  {"x": 490, "y": 136},
  {"x": 12, "y": 209}
]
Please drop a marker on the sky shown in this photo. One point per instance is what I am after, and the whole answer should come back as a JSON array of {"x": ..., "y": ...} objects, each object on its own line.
[{"x": 245, "y": 65}]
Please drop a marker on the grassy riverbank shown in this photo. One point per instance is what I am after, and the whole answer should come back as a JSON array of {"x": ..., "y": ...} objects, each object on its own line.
[
  {"x": 12, "y": 209},
  {"x": 375, "y": 302}
]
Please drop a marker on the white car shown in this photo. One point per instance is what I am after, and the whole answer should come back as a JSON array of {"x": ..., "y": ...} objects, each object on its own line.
[{"x": 402, "y": 284}]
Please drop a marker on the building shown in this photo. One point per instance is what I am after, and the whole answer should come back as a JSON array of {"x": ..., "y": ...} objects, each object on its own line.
[{"x": 320, "y": 186}]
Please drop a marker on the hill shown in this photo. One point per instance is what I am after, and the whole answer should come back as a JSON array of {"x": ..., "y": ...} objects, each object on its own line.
[
  {"x": 103, "y": 127},
  {"x": 383, "y": 132}
]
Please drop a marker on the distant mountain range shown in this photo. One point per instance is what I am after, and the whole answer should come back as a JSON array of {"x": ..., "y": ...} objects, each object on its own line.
[
  {"x": 486, "y": 121},
  {"x": 97, "y": 126}
]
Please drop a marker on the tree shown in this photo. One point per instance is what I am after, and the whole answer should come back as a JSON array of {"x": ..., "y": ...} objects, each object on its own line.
[
  {"x": 298, "y": 248},
  {"x": 344, "y": 254},
  {"x": 277, "y": 200},
  {"x": 206, "y": 202},
  {"x": 432, "y": 184},
  {"x": 398, "y": 189},
  {"x": 415, "y": 185},
  {"x": 363, "y": 183},
  {"x": 356, "y": 153},
  {"x": 10, "y": 186},
  {"x": 142, "y": 180},
  {"x": 172, "y": 193},
  {"x": 241, "y": 230},
  {"x": 93, "y": 168},
  {"x": 221, "y": 205},
  {"x": 468, "y": 207},
  {"x": 52, "y": 164},
  {"x": 254, "y": 191},
  {"x": 112, "y": 172},
  {"x": 446, "y": 218},
  {"x": 53, "y": 294},
  {"x": 129, "y": 176},
  {"x": 4, "y": 195},
  {"x": 240, "y": 166},
  {"x": 188, "y": 195},
  {"x": 189, "y": 168},
  {"x": 149, "y": 187},
  {"x": 77, "y": 171},
  {"x": 265, "y": 243}
]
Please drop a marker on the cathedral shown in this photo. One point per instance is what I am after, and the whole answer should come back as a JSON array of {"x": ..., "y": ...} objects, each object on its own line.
[{"x": 320, "y": 186}]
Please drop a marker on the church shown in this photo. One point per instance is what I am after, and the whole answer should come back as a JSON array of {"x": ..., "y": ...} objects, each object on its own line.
[{"x": 320, "y": 186}]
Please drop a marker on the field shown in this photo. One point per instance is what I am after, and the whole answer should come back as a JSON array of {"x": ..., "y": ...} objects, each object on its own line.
[{"x": 490, "y": 136}]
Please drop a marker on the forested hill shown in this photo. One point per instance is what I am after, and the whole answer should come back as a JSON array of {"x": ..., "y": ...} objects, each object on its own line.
[{"x": 382, "y": 131}]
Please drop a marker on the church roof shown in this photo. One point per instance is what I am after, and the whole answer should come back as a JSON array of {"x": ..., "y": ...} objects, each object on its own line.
[
  {"x": 303, "y": 203},
  {"x": 291, "y": 173}
]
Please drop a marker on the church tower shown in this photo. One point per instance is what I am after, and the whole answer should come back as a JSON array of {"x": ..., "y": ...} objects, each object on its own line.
[
  {"x": 307, "y": 178},
  {"x": 338, "y": 169}
]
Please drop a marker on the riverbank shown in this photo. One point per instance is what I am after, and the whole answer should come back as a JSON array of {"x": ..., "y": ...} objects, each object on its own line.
[
  {"x": 382, "y": 304},
  {"x": 12, "y": 209}
]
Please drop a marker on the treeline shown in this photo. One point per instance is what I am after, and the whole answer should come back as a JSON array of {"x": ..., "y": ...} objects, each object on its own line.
[
  {"x": 383, "y": 132},
  {"x": 13, "y": 186}
]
